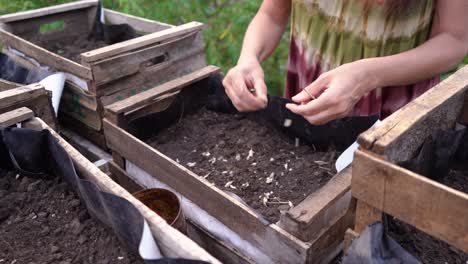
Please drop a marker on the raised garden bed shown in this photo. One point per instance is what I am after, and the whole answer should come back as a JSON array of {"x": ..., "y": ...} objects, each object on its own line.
[
  {"x": 382, "y": 186},
  {"x": 310, "y": 232},
  {"x": 65, "y": 217},
  {"x": 58, "y": 37}
]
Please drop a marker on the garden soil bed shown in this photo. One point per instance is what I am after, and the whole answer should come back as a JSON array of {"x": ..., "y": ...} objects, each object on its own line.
[
  {"x": 70, "y": 47},
  {"x": 249, "y": 159},
  {"x": 43, "y": 221}
]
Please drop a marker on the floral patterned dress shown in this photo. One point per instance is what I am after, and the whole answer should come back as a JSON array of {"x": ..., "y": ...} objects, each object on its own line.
[{"x": 328, "y": 33}]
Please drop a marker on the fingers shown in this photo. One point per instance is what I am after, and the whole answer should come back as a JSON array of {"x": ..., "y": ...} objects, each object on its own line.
[
  {"x": 312, "y": 90},
  {"x": 238, "y": 87},
  {"x": 311, "y": 108}
]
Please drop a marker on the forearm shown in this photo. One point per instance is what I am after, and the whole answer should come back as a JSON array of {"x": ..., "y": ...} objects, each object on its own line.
[
  {"x": 438, "y": 55},
  {"x": 265, "y": 30}
]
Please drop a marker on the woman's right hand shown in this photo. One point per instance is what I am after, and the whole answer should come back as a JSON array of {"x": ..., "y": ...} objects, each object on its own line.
[{"x": 245, "y": 86}]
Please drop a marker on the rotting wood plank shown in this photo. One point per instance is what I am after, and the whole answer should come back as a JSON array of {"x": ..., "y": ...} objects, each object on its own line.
[
  {"x": 80, "y": 128},
  {"x": 138, "y": 23},
  {"x": 136, "y": 43},
  {"x": 276, "y": 243},
  {"x": 15, "y": 116},
  {"x": 404, "y": 131},
  {"x": 146, "y": 97},
  {"x": 432, "y": 207},
  {"x": 47, "y": 11},
  {"x": 350, "y": 236},
  {"x": 170, "y": 241},
  {"x": 44, "y": 56},
  {"x": 366, "y": 215},
  {"x": 317, "y": 210}
]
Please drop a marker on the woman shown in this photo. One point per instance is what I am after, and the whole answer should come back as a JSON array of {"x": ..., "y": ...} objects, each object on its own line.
[{"x": 351, "y": 57}]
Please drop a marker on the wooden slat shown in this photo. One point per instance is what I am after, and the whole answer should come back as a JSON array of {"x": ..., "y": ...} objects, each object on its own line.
[
  {"x": 146, "y": 97},
  {"x": 44, "y": 56},
  {"x": 97, "y": 137},
  {"x": 13, "y": 96},
  {"x": 136, "y": 61},
  {"x": 138, "y": 23},
  {"x": 84, "y": 146},
  {"x": 136, "y": 43},
  {"x": 366, "y": 215},
  {"x": 401, "y": 134},
  {"x": 429, "y": 206},
  {"x": 171, "y": 242},
  {"x": 16, "y": 116},
  {"x": 47, "y": 11},
  {"x": 222, "y": 251},
  {"x": 316, "y": 211},
  {"x": 6, "y": 85},
  {"x": 270, "y": 239}
]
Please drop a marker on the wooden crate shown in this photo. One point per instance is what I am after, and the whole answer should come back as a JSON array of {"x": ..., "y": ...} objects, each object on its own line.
[
  {"x": 382, "y": 186},
  {"x": 311, "y": 232},
  {"x": 171, "y": 242},
  {"x": 35, "y": 97},
  {"x": 111, "y": 73}
]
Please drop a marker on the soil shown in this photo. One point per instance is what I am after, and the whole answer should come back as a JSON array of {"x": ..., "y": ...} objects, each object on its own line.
[
  {"x": 43, "y": 221},
  {"x": 251, "y": 160},
  {"x": 70, "y": 47},
  {"x": 457, "y": 178},
  {"x": 424, "y": 247}
]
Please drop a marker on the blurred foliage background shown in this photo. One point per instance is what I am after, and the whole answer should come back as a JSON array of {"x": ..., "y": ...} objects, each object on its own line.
[{"x": 225, "y": 23}]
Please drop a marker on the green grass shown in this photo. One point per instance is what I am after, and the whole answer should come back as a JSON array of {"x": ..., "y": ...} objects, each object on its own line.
[{"x": 225, "y": 23}]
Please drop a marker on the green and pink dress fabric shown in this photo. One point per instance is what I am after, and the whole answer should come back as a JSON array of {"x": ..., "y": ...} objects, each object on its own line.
[{"x": 328, "y": 33}]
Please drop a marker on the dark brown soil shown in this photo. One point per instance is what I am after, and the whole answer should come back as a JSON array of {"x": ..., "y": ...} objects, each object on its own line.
[
  {"x": 424, "y": 247},
  {"x": 457, "y": 178},
  {"x": 70, "y": 47},
  {"x": 277, "y": 174},
  {"x": 43, "y": 221}
]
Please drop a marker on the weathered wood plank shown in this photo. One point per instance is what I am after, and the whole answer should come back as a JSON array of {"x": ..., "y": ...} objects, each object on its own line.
[
  {"x": 138, "y": 23},
  {"x": 140, "y": 42},
  {"x": 47, "y": 11},
  {"x": 222, "y": 251},
  {"x": 97, "y": 137},
  {"x": 6, "y": 85},
  {"x": 317, "y": 210},
  {"x": 429, "y": 206},
  {"x": 123, "y": 179},
  {"x": 171, "y": 242},
  {"x": 270, "y": 239},
  {"x": 155, "y": 56},
  {"x": 13, "y": 96},
  {"x": 44, "y": 56},
  {"x": 366, "y": 215},
  {"x": 84, "y": 146},
  {"x": 148, "y": 96},
  {"x": 15, "y": 116},
  {"x": 401, "y": 134}
]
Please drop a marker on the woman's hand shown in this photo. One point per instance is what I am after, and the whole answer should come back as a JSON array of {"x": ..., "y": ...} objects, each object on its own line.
[
  {"x": 334, "y": 94},
  {"x": 245, "y": 86}
]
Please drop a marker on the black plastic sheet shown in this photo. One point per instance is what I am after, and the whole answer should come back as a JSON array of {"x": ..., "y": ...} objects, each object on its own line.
[
  {"x": 374, "y": 246},
  {"x": 439, "y": 152}
]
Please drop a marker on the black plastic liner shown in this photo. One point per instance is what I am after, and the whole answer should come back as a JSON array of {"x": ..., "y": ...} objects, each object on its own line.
[
  {"x": 439, "y": 153},
  {"x": 374, "y": 246},
  {"x": 37, "y": 153},
  {"x": 210, "y": 93}
]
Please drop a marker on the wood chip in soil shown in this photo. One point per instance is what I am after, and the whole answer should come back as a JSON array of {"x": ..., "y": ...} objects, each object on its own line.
[
  {"x": 43, "y": 221},
  {"x": 254, "y": 161}
]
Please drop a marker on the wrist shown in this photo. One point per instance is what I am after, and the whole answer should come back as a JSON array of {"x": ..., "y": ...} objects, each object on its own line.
[{"x": 371, "y": 74}]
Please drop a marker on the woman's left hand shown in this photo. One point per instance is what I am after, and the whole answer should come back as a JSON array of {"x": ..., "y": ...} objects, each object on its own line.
[{"x": 336, "y": 92}]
